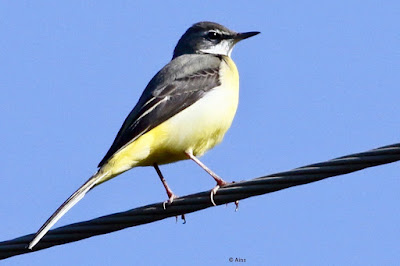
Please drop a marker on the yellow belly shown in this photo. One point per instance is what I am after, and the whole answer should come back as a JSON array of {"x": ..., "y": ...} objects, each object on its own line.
[{"x": 197, "y": 128}]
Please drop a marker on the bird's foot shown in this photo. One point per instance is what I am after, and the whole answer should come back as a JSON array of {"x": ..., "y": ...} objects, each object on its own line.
[
  {"x": 220, "y": 183},
  {"x": 172, "y": 196},
  {"x": 168, "y": 202}
]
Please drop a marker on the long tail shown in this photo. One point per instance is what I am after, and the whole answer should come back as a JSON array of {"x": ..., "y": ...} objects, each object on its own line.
[{"x": 68, "y": 204}]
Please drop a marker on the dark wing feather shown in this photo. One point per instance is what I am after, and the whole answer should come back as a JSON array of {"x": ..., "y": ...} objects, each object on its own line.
[{"x": 167, "y": 94}]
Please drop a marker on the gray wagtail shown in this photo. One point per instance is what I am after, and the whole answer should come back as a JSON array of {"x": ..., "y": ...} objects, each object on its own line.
[{"x": 184, "y": 111}]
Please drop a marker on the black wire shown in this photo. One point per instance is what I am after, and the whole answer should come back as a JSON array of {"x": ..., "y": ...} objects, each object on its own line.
[{"x": 199, "y": 201}]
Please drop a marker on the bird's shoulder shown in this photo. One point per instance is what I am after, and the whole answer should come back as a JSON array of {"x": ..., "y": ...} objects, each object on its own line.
[{"x": 183, "y": 69}]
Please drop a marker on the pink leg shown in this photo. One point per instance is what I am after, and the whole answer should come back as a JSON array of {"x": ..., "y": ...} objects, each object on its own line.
[
  {"x": 219, "y": 180},
  {"x": 171, "y": 195}
]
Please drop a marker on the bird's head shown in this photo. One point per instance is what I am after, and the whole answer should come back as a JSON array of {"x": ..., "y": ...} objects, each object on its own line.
[{"x": 209, "y": 38}]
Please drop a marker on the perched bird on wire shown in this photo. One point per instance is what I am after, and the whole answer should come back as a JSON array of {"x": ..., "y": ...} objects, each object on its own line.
[{"x": 184, "y": 111}]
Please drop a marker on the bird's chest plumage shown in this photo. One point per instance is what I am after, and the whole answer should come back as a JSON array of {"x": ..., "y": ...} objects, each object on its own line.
[
  {"x": 197, "y": 128},
  {"x": 205, "y": 122}
]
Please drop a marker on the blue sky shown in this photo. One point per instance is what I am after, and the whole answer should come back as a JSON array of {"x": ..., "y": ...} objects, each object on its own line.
[{"x": 321, "y": 81}]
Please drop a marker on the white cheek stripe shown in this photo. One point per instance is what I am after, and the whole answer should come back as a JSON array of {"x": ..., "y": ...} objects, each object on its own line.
[{"x": 222, "y": 48}]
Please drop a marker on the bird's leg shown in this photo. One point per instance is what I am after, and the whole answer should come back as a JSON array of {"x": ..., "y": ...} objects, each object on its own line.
[
  {"x": 171, "y": 195},
  {"x": 219, "y": 180}
]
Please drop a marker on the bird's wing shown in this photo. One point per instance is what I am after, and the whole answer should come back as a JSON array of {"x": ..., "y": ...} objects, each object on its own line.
[{"x": 182, "y": 82}]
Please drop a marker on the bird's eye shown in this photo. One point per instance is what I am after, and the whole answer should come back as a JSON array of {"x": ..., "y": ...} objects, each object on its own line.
[{"x": 213, "y": 35}]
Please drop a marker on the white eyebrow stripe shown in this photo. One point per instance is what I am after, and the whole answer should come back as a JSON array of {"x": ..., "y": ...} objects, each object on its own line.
[{"x": 220, "y": 32}]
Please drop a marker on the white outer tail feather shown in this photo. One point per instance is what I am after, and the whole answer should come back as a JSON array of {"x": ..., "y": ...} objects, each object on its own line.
[{"x": 66, "y": 206}]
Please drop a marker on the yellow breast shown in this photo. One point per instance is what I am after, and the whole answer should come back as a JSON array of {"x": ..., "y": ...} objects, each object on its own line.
[{"x": 197, "y": 128}]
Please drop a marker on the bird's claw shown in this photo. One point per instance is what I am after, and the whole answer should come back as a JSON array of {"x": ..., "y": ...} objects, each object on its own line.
[
  {"x": 169, "y": 201},
  {"x": 237, "y": 205},
  {"x": 182, "y": 217},
  {"x": 213, "y": 192}
]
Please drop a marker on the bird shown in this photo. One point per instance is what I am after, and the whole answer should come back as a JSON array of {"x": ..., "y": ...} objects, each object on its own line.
[{"x": 184, "y": 111}]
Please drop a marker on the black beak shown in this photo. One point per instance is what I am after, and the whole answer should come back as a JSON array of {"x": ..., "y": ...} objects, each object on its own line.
[{"x": 245, "y": 35}]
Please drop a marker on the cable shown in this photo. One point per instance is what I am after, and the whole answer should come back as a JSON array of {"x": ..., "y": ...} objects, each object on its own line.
[{"x": 195, "y": 202}]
